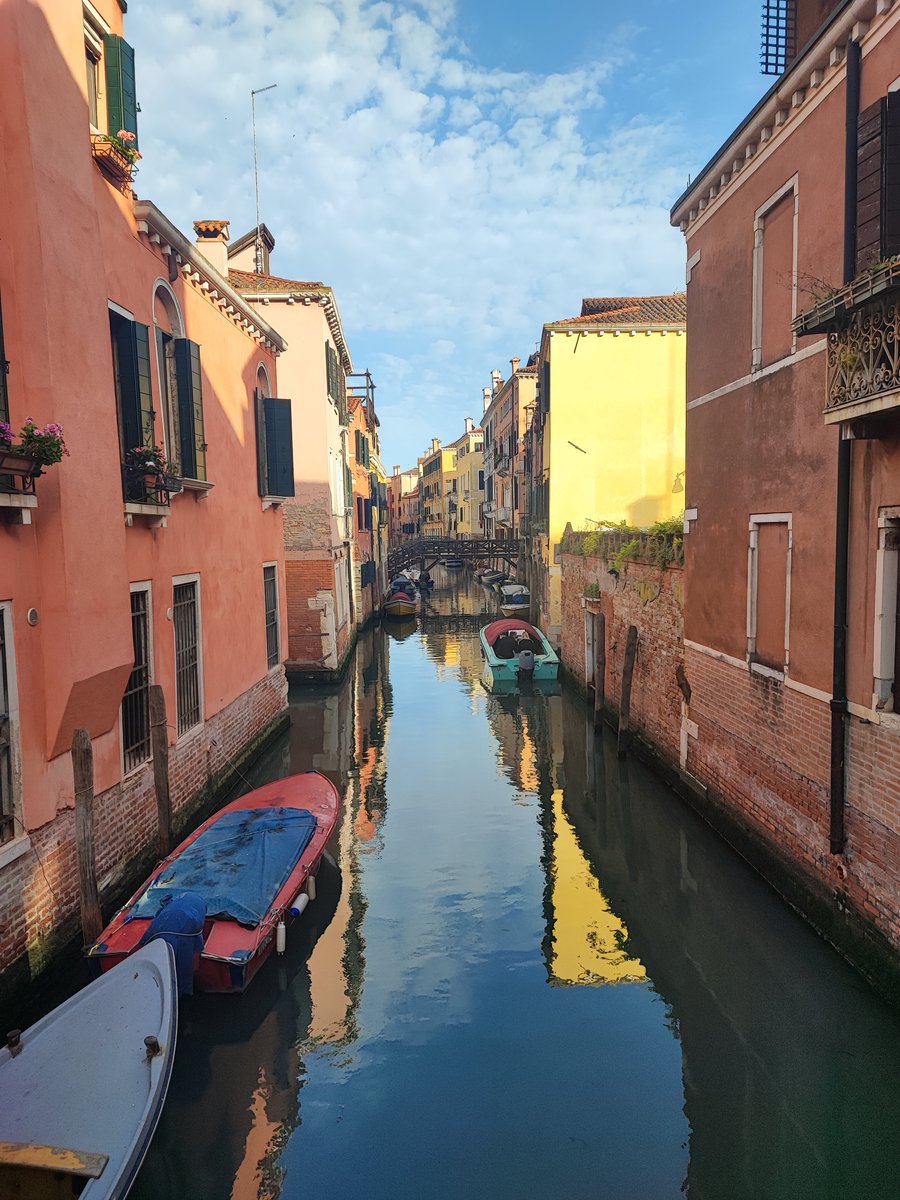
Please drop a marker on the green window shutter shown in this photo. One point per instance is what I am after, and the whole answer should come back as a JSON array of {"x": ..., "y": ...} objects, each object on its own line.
[
  {"x": 262, "y": 470},
  {"x": 121, "y": 96},
  {"x": 279, "y": 446},
  {"x": 190, "y": 409},
  {"x": 348, "y": 487},
  {"x": 4, "y": 368},
  {"x": 144, "y": 389},
  {"x": 124, "y": 339}
]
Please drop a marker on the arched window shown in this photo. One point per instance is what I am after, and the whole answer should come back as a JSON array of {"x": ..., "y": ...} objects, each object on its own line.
[
  {"x": 168, "y": 325},
  {"x": 262, "y": 381}
]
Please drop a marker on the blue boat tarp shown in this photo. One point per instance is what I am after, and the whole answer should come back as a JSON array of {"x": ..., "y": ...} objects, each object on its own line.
[{"x": 238, "y": 865}]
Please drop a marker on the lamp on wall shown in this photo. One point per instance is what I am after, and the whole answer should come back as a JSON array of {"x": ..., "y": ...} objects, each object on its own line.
[{"x": 678, "y": 485}]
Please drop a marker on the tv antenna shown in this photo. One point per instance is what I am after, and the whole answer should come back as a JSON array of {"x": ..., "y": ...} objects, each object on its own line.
[{"x": 253, "y": 95}]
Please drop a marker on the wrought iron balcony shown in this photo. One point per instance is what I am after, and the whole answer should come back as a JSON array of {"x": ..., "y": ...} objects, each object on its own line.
[
  {"x": 142, "y": 486},
  {"x": 862, "y": 324}
]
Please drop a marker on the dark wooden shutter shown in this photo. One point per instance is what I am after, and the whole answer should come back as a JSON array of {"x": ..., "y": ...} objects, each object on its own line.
[
  {"x": 279, "y": 446},
  {"x": 190, "y": 409},
  {"x": 4, "y": 369},
  {"x": 121, "y": 95},
  {"x": 146, "y": 414},
  {"x": 544, "y": 385},
  {"x": 262, "y": 470},
  {"x": 128, "y": 388},
  {"x": 360, "y": 514},
  {"x": 878, "y": 182}
]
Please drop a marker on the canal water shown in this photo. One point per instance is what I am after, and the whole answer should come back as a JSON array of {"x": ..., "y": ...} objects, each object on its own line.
[{"x": 531, "y": 971}]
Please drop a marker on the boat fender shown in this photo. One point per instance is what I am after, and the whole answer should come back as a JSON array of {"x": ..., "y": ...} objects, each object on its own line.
[
  {"x": 526, "y": 662},
  {"x": 299, "y": 904},
  {"x": 311, "y": 887},
  {"x": 280, "y": 937}
]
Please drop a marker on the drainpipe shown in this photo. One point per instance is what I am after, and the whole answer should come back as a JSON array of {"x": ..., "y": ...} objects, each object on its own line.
[{"x": 837, "y": 833}]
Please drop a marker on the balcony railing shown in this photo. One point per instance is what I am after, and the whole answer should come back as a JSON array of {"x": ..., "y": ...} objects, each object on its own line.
[
  {"x": 504, "y": 514},
  {"x": 18, "y": 471},
  {"x": 148, "y": 487},
  {"x": 112, "y": 159},
  {"x": 862, "y": 324}
]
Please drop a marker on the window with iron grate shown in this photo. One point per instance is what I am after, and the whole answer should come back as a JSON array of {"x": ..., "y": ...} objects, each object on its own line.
[
  {"x": 187, "y": 655},
  {"x": 270, "y": 592},
  {"x": 136, "y": 701},
  {"x": 7, "y": 735}
]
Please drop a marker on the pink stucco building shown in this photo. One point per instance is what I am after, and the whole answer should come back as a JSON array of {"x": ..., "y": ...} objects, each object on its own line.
[{"x": 118, "y": 570}]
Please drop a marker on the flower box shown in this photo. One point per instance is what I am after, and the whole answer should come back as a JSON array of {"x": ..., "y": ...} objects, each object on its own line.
[
  {"x": 111, "y": 159},
  {"x": 15, "y": 462}
]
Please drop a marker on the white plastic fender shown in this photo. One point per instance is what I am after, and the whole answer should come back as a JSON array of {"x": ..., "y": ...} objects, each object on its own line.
[
  {"x": 299, "y": 904},
  {"x": 311, "y": 887},
  {"x": 280, "y": 937}
]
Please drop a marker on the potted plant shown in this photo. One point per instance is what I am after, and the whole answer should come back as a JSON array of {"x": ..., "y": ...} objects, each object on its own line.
[{"x": 36, "y": 447}]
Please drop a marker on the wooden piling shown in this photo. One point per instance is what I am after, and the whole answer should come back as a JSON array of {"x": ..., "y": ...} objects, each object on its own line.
[
  {"x": 89, "y": 897},
  {"x": 159, "y": 745},
  {"x": 599, "y": 668},
  {"x": 625, "y": 702}
]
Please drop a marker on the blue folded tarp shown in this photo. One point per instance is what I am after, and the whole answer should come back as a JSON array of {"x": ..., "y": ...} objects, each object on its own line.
[
  {"x": 239, "y": 865},
  {"x": 180, "y": 923}
]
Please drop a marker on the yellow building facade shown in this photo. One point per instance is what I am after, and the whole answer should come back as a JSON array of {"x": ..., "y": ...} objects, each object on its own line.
[
  {"x": 465, "y": 490},
  {"x": 438, "y": 467},
  {"x": 607, "y": 438}
]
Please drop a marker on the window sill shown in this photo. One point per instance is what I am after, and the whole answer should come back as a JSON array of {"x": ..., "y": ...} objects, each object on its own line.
[
  {"x": 200, "y": 487},
  {"x": 11, "y": 851},
  {"x": 154, "y": 516},
  {"x": 274, "y": 501},
  {"x": 768, "y": 672},
  {"x": 15, "y": 507}
]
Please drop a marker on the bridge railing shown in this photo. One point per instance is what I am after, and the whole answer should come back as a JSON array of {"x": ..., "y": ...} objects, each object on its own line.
[{"x": 432, "y": 549}]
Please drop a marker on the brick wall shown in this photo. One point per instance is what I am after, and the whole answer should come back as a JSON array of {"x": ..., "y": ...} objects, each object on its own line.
[
  {"x": 649, "y": 598},
  {"x": 760, "y": 750},
  {"x": 39, "y": 891}
]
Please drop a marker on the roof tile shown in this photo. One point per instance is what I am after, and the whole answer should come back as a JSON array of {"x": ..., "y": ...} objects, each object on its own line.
[
  {"x": 252, "y": 281},
  {"x": 627, "y": 310}
]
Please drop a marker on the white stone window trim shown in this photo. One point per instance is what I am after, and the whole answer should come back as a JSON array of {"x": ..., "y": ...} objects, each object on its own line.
[
  {"x": 143, "y": 585},
  {"x": 756, "y": 520},
  {"x": 887, "y": 561},
  {"x": 195, "y": 730},
  {"x": 759, "y": 226},
  {"x": 20, "y": 842}
]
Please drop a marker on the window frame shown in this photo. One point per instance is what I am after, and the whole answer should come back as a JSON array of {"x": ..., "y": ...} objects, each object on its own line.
[
  {"x": 166, "y": 378},
  {"x": 759, "y": 226},
  {"x": 273, "y": 656},
  {"x": 145, "y": 586},
  {"x": 756, "y": 520},
  {"x": 178, "y": 581}
]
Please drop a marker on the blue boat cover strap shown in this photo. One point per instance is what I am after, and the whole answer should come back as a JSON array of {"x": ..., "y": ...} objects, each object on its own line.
[{"x": 238, "y": 865}]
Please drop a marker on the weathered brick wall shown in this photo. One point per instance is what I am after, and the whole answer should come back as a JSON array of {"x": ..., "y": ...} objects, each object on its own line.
[
  {"x": 651, "y": 599},
  {"x": 39, "y": 891},
  {"x": 307, "y": 636}
]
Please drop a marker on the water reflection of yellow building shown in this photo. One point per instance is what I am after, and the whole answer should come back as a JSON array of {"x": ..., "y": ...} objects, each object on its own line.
[{"x": 586, "y": 942}]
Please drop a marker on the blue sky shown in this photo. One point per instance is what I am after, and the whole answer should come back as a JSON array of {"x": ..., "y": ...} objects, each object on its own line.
[{"x": 459, "y": 171}]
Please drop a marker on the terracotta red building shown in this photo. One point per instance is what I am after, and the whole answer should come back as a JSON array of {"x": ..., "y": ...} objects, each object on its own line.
[
  {"x": 793, "y": 471},
  {"x": 119, "y": 568}
]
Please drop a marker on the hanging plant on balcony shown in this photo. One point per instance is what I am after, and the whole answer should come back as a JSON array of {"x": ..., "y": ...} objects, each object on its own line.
[
  {"x": 35, "y": 447},
  {"x": 124, "y": 140},
  {"x": 150, "y": 460}
]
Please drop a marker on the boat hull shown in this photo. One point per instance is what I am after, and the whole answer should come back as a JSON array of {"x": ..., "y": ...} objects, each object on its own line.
[
  {"x": 399, "y": 609},
  {"x": 503, "y": 671},
  {"x": 82, "y": 1081},
  {"x": 234, "y": 953}
]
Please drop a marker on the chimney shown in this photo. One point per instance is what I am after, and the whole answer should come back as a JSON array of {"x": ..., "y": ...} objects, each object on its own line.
[
  {"x": 470, "y": 424},
  {"x": 396, "y": 470},
  {"x": 496, "y": 380},
  {"x": 435, "y": 444},
  {"x": 486, "y": 392},
  {"x": 212, "y": 242},
  {"x": 514, "y": 363}
]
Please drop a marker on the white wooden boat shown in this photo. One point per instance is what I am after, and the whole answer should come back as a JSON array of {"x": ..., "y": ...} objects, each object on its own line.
[
  {"x": 81, "y": 1090},
  {"x": 514, "y": 598}
]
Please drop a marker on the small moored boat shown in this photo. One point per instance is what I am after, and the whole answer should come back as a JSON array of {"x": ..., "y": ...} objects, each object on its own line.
[
  {"x": 515, "y": 651},
  {"x": 400, "y": 605},
  {"x": 253, "y": 864},
  {"x": 81, "y": 1091},
  {"x": 514, "y": 598}
]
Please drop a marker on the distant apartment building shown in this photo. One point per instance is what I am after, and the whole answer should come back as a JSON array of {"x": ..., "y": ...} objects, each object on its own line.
[
  {"x": 465, "y": 493},
  {"x": 509, "y": 406},
  {"x": 437, "y": 469},
  {"x": 606, "y": 441},
  {"x": 793, "y": 437},
  {"x": 370, "y": 506},
  {"x": 403, "y": 500},
  {"x": 154, "y": 546},
  {"x": 318, "y": 520}
]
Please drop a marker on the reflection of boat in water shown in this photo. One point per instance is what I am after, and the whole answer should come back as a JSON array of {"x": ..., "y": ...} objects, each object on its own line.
[
  {"x": 400, "y": 628},
  {"x": 514, "y": 598},
  {"x": 82, "y": 1090},
  {"x": 515, "y": 651},
  {"x": 252, "y": 863},
  {"x": 453, "y": 564},
  {"x": 237, "y": 1133}
]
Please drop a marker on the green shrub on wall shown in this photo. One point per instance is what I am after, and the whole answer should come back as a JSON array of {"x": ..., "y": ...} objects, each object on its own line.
[{"x": 660, "y": 545}]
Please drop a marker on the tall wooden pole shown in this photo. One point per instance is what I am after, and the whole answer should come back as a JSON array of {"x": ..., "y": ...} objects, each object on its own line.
[
  {"x": 625, "y": 702},
  {"x": 159, "y": 744},
  {"x": 83, "y": 770},
  {"x": 599, "y": 667}
]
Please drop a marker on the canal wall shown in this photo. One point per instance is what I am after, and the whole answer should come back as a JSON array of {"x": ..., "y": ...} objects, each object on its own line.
[
  {"x": 39, "y": 889},
  {"x": 750, "y": 754}
]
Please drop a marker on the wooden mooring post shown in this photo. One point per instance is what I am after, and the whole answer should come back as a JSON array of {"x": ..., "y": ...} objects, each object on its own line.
[
  {"x": 625, "y": 702},
  {"x": 159, "y": 746},
  {"x": 599, "y": 668},
  {"x": 88, "y": 895}
]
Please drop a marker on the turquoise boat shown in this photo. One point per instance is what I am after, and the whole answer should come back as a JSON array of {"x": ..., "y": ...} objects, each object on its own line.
[{"x": 516, "y": 652}]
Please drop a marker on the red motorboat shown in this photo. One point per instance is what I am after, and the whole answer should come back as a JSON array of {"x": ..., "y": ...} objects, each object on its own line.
[{"x": 253, "y": 863}]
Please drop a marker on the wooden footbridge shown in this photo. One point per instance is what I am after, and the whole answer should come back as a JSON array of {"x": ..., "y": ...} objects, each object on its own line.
[{"x": 427, "y": 552}]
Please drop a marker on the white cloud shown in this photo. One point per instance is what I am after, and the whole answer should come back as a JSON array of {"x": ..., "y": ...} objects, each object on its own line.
[{"x": 449, "y": 205}]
